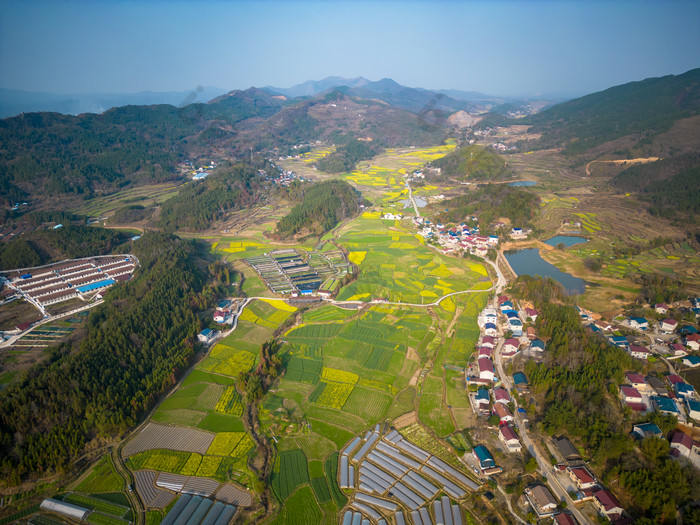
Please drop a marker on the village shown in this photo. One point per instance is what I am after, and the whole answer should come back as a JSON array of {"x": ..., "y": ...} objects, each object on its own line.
[{"x": 500, "y": 400}]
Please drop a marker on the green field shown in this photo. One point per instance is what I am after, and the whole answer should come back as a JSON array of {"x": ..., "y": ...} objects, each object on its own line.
[
  {"x": 103, "y": 478},
  {"x": 290, "y": 471}
]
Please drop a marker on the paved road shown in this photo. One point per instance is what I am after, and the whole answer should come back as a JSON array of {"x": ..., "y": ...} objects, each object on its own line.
[
  {"x": 545, "y": 466},
  {"x": 410, "y": 196}
]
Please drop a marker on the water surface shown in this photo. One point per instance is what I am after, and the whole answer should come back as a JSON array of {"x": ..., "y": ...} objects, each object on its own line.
[
  {"x": 529, "y": 262},
  {"x": 566, "y": 240}
]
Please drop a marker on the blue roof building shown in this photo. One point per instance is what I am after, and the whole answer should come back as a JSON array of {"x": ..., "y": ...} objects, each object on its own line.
[
  {"x": 519, "y": 378},
  {"x": 538, "y": 345},
  {"x": 484, "y": 457},
  {"x": 482, "y": 394},
  {"x": 645, "y": 430},
  {"x": 95, "y": 286},
  {"x": 684, "y": 390},
  {"x": 619, "y": 341},
  {"x": 665, "y": 405}
]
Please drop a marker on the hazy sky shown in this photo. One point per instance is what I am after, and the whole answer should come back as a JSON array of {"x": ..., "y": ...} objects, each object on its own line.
[{"x": 500, "y": 48}]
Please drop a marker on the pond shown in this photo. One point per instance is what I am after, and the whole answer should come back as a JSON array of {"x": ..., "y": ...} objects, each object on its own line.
[
  {"x": 529, "y": 262},
  {"x": 566, "y": 240},
  {"x": 523, "y": 183}
]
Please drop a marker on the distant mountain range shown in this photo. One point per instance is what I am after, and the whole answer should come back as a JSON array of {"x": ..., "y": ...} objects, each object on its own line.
[
  {"x": 416, "y": 100},
  {"x": 16, "y": 101}
]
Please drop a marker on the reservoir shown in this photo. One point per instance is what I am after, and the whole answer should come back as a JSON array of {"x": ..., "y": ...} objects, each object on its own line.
[
  {"x": 566, "y": 240},
  {"x": 523, "y": 183},
  {"x": 529, "y": 262}
]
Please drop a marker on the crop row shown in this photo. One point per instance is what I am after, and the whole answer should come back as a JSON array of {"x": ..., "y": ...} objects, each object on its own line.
[
  {"x": 95, "y": 504},
  {"x": 230, "y": 402},
  {"x": 331, "y": 469},
  {"x": 316, "y": 331},
  {"x": 235, "y": 363}
]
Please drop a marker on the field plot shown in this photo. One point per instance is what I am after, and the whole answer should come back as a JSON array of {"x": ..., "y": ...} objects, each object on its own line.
[
  {"x": 227, "y": 361},
  {"x": 286, "y": 271},
  {"x": 143, "y": 196},
  {"x": 103, "y": 478},
  {"x": 152, "y": 496},
  {"x": 230, "y": 402},
  {"x": 397, "y": 266},
  {"x": 155, "y": 436},
  {"x": 290, "y": 471}
]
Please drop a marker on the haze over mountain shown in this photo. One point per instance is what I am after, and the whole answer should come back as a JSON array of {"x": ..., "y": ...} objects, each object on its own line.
[{"x": 16, "y": 101}]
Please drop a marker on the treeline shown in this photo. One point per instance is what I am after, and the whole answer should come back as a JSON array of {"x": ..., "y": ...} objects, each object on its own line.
[
  {"x": 345, "y": 157},
  {"x": 135, "y": 347},
  {"x": 472, "y": 163},
  {"x": 657, "y": 288},
  {"x": 200, "y": 203},
  {"x": 323, "y": 205},
  {"x": 489, "y": 203},
  {"x": 579, "y": 381},
  {"x": 70, "y": 242}
]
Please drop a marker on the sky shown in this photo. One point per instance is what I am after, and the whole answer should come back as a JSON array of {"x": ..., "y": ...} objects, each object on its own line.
[{"x": 504, "y": 48}]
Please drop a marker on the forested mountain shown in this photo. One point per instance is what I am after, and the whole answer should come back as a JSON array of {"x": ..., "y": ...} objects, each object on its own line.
[
  {"x": 642, "y": 109},
  {"x": 126, "y": 145},
  {"x": 321, "y": 207},
  {"x": 135, "y": 347},
  {"x": 473, "y": 163}
]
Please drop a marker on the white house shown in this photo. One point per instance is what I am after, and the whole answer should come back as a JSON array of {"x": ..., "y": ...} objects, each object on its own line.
[
  {"x": 486, "y": 369},
  {"x": 668, "y": 325},
  {"x": 630, "y": 394},
  {"x": 639, "y": 323},
  {"x": 509, "y": 438},
  {"x": 639, "y": 352},
  {"x": 683, "y": 443},
  {"x": 582, "y": 478},
  {"x": 207, "y": 335}
]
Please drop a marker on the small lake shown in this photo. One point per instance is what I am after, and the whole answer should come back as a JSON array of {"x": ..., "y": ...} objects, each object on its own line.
[
  {"x": 529, "y": 262},
  {"x": 566, "y": 240},
  {"x": 523, "y": 183}
]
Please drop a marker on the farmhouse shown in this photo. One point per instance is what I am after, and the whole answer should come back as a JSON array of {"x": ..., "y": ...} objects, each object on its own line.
[
  {"x": 503, "y": 413},
  {"x": 637, "y": 381},
  {"x": 692, "y": 361},
  {"x": 639, "y": 323},
  {"x": 531, "y": 313},
  {"x": 684, "y": 390},
  {"x": 482, "y": 401},
  {"x": 677, "y": 350},
  {"x": 486, "y": 369},
  {"x": 490, "y": 330},
  {"x": 607, "y": 504},
  {"x": 521, "y": 384},
  {"x": 619, "y": 341},
  {"x": 564, "y": 518},
  {"x": 582, "y": 478},
  {"x": 602, "y": 325},
  {"x": 489, "y": 341},
  {"x": 682, "y": 444},
  {"x": 568, "y": 451},
  {"x": 509, "y": 438},
  {"x": 656, "y": 385},
  {"x": 484, "y": 457},
  {"x": 693, "y": 407},
  {"x": 207, "y": 335},
  {"x": 500, "y": 395},
  {"x": 665, "y": 405},
  {"x": 541, "y": 500},
  {"x": 484, "y": 351},
  {"x": 531, "y": 333},
  {"x": 510, "y": 346},
  {"x": 537, "y": 345},
  {"x": 661, "y": 308},
  {"x": 639, "y": 352},
  {"x": 668, "y": 325},
  {"x": 630, "y": 394},
  {"x": 692, "y": 341},
  {"x": 645, "y": 430}
]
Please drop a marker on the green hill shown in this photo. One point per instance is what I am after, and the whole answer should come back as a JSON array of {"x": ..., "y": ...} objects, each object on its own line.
[
  {"x": 643, "y": 109},
  {"x": 472, "y": 162},
  {"x": 322, "y": 206}
]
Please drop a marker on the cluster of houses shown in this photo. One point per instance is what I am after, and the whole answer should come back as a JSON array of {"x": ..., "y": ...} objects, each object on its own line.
[
  {"x": 460, "y": 238},
  {"x": 670, "y": 395},
  {"x": 282, "y": 177},
  {"x": 588, "y": 488},
  {"x": 675, "y": 341}
]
